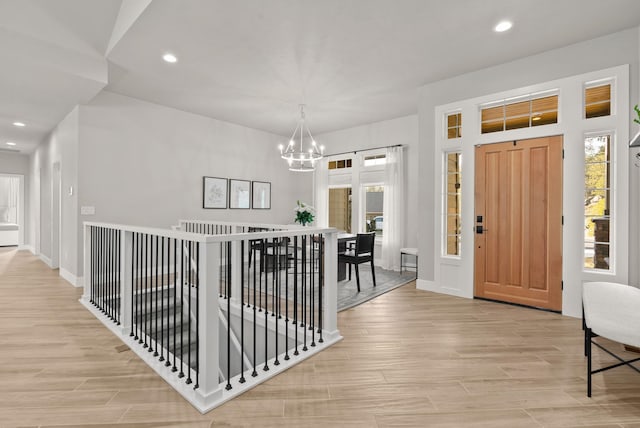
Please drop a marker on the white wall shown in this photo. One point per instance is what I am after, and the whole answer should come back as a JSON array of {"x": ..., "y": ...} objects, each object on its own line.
[
  {"x": 404, "y": 131},
  {"x": 142, "y": 164},
  {"x": 609, "y": 51},
  {"x": 61, "y": 146}
]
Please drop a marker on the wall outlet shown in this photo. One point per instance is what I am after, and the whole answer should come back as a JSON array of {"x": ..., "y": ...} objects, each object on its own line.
[{"x": 87, "y": 210}]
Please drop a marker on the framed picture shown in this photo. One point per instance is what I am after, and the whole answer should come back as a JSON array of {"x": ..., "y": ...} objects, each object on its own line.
[
  {"x": 239, "y": 194},
  {"x": 214, "y": 192},
  {"x": 261, "y": 193}
]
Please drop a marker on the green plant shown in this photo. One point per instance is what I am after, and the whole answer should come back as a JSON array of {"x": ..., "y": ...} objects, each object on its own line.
[
  {"x": 637, "y": 119},
  {"x": 304, "y": 213}
]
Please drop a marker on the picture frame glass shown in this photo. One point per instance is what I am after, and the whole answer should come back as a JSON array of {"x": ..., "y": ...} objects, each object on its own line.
[
  {"x": 239, "y": 194},
  {"x": 214, "y": 192},
  {"x": 261, "y": 193}
]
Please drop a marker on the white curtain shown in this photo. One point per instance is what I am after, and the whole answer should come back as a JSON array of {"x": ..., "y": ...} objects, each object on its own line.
[
  {"x": 321, "y": 193},
  {"x": 393, "y": 208}
]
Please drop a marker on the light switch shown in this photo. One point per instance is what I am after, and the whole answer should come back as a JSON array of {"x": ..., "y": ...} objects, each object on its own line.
[{"x": 87, "y": 210}]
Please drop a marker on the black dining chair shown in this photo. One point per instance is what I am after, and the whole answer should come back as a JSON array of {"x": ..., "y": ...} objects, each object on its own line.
[{"x": 362, "y": 253}]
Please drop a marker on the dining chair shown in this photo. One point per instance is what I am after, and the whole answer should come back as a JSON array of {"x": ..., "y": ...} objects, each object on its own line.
[
  {"x": 362, "y": 253},
  {"x": 611, "y": 311}
]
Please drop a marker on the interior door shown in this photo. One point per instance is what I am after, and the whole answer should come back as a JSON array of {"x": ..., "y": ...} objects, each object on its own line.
[{"x": 518, "y": 239}]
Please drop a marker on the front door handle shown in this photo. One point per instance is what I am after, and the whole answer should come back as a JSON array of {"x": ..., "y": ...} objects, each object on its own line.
[{"x": 480, "y": 230}]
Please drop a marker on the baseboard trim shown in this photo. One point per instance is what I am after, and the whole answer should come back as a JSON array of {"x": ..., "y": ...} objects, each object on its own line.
[
  {"x": 424, "y": 285},
  {"x": 46, "y": 260},
  {"x": 26, "y": 248},
  {"x": 70, "y": 278}
]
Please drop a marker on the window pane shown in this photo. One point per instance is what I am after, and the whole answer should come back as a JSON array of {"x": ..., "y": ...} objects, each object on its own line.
[
  {"x": 544, "y": 118},
  {"x": 340, "y": 209},
  {"x": 374, "y": 217},
  {"x": 454, "y": 125},
  {"x": 517, "y": 122},
  {"x": 597, "y": 203},
  {"x": 539, "y": 105},
  {"x": 496, "y": 126},
  {"x": 453, "y": 203},
  {"x": 597, "y": 101},
  {"x": 518, "y": 109}
]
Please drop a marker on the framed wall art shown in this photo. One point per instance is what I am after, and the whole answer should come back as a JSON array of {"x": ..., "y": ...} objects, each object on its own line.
[
  {"x": 214, "y": 192},
  {"x": 239, "y": 194},
  {"x": 261, "y": 194}
]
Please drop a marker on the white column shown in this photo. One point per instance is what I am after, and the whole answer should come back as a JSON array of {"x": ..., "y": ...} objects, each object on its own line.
[
  {"x": 330, "y": 314},
  {"x": 126, "y": 283},
  {"x": 86, "y": 272},
  {"x": 209, "y": 388}
]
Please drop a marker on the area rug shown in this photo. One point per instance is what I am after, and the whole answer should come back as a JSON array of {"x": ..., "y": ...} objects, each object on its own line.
[{"x": 348, "y": 295}]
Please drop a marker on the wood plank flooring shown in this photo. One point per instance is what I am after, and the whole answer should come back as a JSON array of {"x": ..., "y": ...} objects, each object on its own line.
[{"x": 409, "y": 358}]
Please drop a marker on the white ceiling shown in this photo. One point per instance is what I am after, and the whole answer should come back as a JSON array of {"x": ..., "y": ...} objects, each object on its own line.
[{"x": 252, "y": 62}]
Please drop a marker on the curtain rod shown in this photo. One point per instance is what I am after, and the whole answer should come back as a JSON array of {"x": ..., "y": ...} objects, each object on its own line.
[{"x": 363, "y": 150}]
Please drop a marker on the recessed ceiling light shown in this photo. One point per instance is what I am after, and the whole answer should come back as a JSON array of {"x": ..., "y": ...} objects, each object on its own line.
[
  {"x": 169, "y": 58},
  {"x": 503, "y": 26},
  {"x": 9, "y": 143},
  {"x": 20, "y": 124}
]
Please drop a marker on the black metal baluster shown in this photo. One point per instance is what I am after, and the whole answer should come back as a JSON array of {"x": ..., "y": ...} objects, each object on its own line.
[
  {"x": 182, "y": 244},
  {"x": 275, "y": 309},
  {"x": 197, "y": 280},
  {"x": 286, "y": 304},
  {"x": 92, "y": 275},
  {"x": 295, "y": 293},
  {"x": 304, "y": 292},
  {"x": 175, "y": 302},
  {"x": 146, "y": 289},
  {"x": 189, "y": 311},
  {"x": 254, "y": 373},
  {"x": 161, "y": 302},
  {"x": 320, "y": 306},
  {"x": 266, "y": 317},
  {"x": 138, "y": 286},
  {"x": 119, "y": 267},
  {"x": 228, "y": 287},
  {"x": 133, "y": 281},
  {"x": 110, "y": 275},
  {"x": 154, "y": 292},
  {"x": 274, "y": 258},
  {"x": 313, "y": 291},
  {"x": 263, "y": 270},
  {"x": 242, "y": 379},
  {"x": 229, "y": 274}
]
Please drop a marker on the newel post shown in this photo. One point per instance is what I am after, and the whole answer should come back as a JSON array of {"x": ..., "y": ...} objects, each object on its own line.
[
  {"x": 86, "y": 271},
  {"x": 331, "y": 285},
  {"x": 126, "y": 280},
  {"x": 209, "y": 280}
]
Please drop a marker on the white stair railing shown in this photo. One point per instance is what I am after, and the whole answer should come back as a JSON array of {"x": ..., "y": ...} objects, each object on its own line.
[{"x": 164, "y": 294}]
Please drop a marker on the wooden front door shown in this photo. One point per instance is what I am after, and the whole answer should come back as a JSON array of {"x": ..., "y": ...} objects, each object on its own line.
[{"x": 518, "y": 239}]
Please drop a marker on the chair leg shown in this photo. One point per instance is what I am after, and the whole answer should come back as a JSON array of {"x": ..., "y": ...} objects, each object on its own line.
[
  {"x": 400, "y": 263},
  {"x": 587, "y": 333},
  {"x": 349, "y": 271},
  {"x": 373, "y": 274},
  {"x": 358, "y": 277}
]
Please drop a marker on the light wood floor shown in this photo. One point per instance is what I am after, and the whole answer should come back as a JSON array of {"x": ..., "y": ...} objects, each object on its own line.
[{"x": 408, "y": 358}]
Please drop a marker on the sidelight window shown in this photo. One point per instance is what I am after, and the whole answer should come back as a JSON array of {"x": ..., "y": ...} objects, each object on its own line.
[
  {"x": 453, "y": 196},
  {"x": 597, "y": 202}
]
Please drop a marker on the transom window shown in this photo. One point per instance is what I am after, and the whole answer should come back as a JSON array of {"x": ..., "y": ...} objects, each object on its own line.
[
  {"x": 533, "y": 110},
  {"x": 597, "y": 101},
  {"x": 374, "y": 160},
  {"x": 339, "y": 164},
  {"x": 454, "y": 125},
  {"x": 597, "y": 202}
]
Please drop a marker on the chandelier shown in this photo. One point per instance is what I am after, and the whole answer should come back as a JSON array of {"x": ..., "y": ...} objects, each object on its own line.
[{"x": 298, "y": 157}]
